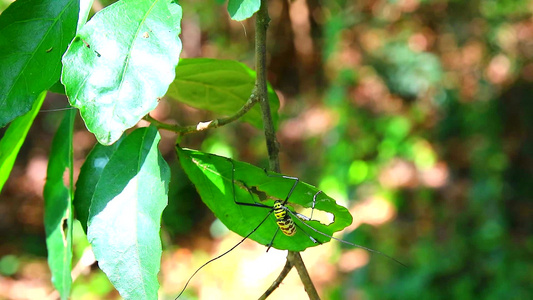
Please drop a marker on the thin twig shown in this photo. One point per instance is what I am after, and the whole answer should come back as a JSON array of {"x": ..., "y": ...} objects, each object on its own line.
[
  {"x": 261, "y": 25},
  {"x": 206, "y": 125},
  {"x": 286, "y": 269}
]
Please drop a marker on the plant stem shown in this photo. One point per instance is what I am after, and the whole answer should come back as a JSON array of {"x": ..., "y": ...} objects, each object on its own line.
[
  {"x": 261, "y": 25},
  {"x": 205, "y": 125}
]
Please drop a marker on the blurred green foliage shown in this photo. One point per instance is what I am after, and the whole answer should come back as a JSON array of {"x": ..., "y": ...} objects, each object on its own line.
[
  {"x": 464, "y": 238},
  {"x": 423, "y": 104}
]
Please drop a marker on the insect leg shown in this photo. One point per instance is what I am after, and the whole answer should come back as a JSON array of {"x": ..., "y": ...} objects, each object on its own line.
[
  {"x": 300, "y": 216},
  {"x": 296, "y": 180},
  {"x": 272, "y": 241},
  {"x": 304, "y": 217},
  {"x": 314, "y": 202}
]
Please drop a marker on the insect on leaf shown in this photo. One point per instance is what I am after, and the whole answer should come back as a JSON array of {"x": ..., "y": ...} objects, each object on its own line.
[{"x": 212, "y": 176}]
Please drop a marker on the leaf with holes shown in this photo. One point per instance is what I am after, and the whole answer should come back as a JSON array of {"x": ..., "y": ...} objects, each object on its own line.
[
  {"x": 58, "y": 206},
  {"x": 212, "y": 176}
]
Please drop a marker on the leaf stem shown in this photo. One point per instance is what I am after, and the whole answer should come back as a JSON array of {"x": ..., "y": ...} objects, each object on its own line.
[
  {"x": 293, "y": 258},
  {"x": 205, "y": 125}
]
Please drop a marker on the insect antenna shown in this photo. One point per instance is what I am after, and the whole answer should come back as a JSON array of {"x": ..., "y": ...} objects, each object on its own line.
[
  {"x": 228, "y": 251},
  {"x": 308, "y": 235},
  {"x": 348, "y": 243}
]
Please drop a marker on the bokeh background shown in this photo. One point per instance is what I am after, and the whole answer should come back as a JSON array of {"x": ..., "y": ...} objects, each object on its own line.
[{"x": 415, "y": 114}]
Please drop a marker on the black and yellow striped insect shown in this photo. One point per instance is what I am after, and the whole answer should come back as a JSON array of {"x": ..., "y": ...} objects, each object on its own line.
[
  {"x": 282, "y": 214},
  {"x": 285, "y": 222}
]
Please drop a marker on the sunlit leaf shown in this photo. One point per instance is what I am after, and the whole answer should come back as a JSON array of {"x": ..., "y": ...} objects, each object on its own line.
[
  {"x": 121, "y": 62},
  {"x": 85, "y": 9},
  {"x": 125, "y": 215},
  {"x": 34, "y": 34},
  {"x": 220, "y": 86},
  {"x": 58, "y": 206},
  {"x": 89, "y": 176},
  {"x": 212, "y": 176}
]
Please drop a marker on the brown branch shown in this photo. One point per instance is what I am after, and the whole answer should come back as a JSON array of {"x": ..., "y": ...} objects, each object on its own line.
[
  {"x": 206, "y": 125},
  {"x": 262, "y": 19}
]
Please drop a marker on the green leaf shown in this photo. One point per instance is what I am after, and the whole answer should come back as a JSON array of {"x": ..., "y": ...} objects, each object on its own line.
[
  {"x": 34, "y": 34},
  {"x": 14, "y": 137},
  {"x": 125, "y": 215},
  {"x": 212, "y": 176},
  {"x": 220, "y": 86},
  {"x": 57, "y": 88},
  {"x": 58, "y": 206},
  {"x": 243, "y": 9},
  {"x": 121, "y": 62},
  {"x": 89, "y": 176},
  {"x": 85, "y": 9}
]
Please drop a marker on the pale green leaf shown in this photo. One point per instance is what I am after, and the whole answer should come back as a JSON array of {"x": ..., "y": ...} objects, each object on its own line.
[
  {"x": 90, "y": 173},
  {"x": 121, "y": 62},
  {"x": 125, "y": 215}
]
